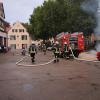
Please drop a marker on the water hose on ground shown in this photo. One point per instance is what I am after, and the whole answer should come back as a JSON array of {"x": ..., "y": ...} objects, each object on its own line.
[
  {"x": 81, "y": 59},
  {"x": 34, "y": 65}
]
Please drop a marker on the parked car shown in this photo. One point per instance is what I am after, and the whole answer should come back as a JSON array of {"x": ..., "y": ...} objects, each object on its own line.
[{"x": 3, "y": 49}]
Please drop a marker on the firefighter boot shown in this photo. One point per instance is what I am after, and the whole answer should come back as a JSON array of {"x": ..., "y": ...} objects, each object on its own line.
[
  {"x": 33, "y": 60},
  {"x": 57, "y": 60}
]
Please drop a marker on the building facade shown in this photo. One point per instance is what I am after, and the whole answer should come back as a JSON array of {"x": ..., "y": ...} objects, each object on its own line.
[
  {"x": 18, "y": 37},
  {"x": 3, "y": 23}
]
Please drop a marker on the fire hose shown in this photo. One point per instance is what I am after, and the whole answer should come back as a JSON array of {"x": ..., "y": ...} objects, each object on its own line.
[
  {"x": 81, "y": 59},
  {"x": 26, "y": 65}
]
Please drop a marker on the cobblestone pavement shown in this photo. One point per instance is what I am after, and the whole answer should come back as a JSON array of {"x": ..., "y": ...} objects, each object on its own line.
[{"x": 66, "y": 80}]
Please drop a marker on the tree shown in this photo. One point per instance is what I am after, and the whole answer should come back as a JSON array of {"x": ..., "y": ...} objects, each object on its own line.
[{"x": 56, "y": 16}]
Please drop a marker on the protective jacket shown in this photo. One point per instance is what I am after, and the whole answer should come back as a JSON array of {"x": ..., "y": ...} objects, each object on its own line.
[
  {"x": 65, "y": 48},
  {"x": 32, "y": 49},
  {"x": 56, "y": 50}
]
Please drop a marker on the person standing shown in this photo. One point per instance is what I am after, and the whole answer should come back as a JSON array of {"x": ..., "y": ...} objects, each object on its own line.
[
  {"x": 32, "y": 52},
  {"x": 44, "y": 49},
  {"x": 56, "y": 51},
  {"x": 66, "y": 51},
  {"x": 13, "y": 50},
  {"x": 23, "y": 51}
]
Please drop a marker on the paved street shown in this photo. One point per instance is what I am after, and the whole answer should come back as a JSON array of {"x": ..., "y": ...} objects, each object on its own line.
[{"x": 66, "y": 80}]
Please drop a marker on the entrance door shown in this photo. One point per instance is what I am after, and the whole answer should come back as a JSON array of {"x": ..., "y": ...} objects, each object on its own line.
[
  {"x": 24, "y": 46},
  {"x": 1, "y": 40},
  {"x": 13, "y": 46}
]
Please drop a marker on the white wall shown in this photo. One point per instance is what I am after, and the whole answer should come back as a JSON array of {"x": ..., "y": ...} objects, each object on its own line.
[{"x": 18, "y": 35}]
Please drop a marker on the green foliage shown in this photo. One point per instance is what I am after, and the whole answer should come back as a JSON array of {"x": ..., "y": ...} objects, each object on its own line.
[{"x": 56, "y": 16}]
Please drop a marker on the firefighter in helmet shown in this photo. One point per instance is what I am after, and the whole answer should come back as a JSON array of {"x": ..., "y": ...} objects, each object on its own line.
[
  {"x": 66, "y": 51},
  {"x": 32, "y": 52},
  {"x": 56, "y": 51}
]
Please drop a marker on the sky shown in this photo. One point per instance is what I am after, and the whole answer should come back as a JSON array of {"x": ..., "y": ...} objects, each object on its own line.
[{"x": 19, "y": 10}]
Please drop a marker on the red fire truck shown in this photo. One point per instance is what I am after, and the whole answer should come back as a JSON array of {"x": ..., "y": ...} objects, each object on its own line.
[{"x": 74, "y": 42}]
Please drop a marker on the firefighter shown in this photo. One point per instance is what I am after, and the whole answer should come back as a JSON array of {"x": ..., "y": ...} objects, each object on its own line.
[
  {"x": 32, "y": 52},
  {"x": 44, "y": 49},
  {"x": 75, "y": 51},
  {"x": 23, "y": 51},
  {"x": 56, "y": 51},
  {"x": 66, "y": 51}
]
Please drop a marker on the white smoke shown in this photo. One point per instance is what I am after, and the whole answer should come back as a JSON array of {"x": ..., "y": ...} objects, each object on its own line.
[
  {"x": 90, "y": 6},
  {"x": 97, "y": 29},
  {"x": 93, "y": 7},
  {"x": 93, "y": 52},
  {"x": 98, "y": 47}
]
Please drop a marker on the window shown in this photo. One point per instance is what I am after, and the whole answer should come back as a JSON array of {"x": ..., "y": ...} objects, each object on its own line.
[
  {"x": 12, "y": 37},
  {"x": 20, "y": 30},
  {"x": 12, "y": 30},
  {"x": 0, "y": 22},
  {"x": 16, "y": 30},
  {"x": 13, "y": 46},
  {"x": 24, "y": 37},
  {"x": 23, "y": 30}
]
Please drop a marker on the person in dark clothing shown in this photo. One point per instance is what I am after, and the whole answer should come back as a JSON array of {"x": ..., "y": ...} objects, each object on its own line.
[
  {"x": 44, "y": 49},
  {"x": 56, "y": 51},
  {"x": 66, "y": 51},
  {"x": 23, "y": 51},
  {"x": 32, "y": 52}
]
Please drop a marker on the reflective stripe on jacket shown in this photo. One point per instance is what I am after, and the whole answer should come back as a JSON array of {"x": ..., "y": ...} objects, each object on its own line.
[
  {"x": 56, "y": 50},
  {"x": 32, "y": 50},
  {"x": 66, "y": 49}
]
